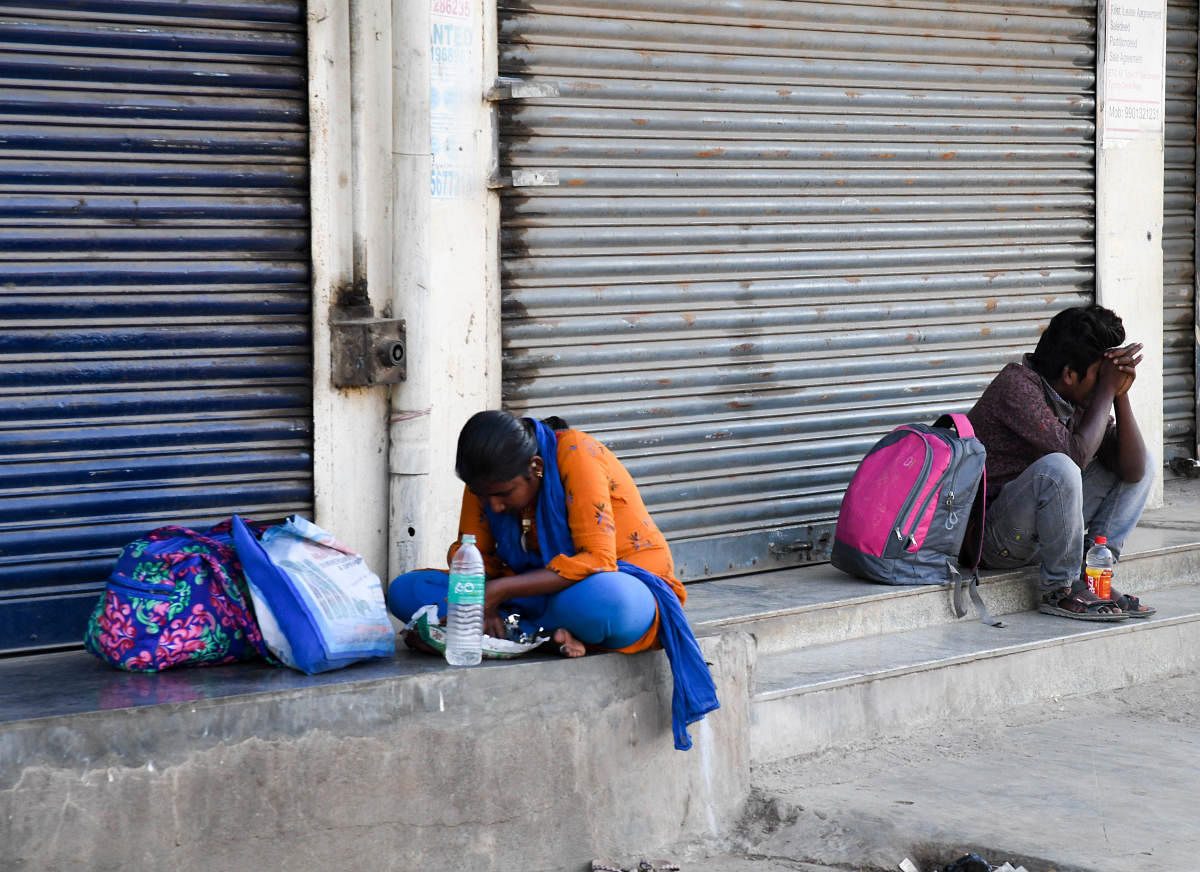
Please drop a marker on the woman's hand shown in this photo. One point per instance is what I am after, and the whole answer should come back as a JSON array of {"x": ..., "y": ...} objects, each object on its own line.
[
  {"x": 493, "y": 624},
  {"x": 498, "y": 590}
]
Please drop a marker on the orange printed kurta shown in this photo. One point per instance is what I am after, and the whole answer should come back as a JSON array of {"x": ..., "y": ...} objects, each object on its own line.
[{"x": 606, "y": 516}]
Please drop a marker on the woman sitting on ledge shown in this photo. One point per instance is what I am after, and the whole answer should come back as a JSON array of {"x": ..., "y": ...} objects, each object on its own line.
[
  {"x": 567, "y": 545},
  {"x": 579, "y": 595}
]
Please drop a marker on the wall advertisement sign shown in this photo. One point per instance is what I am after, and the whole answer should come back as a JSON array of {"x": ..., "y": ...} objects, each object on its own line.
[
  {"x": 1134, "y": 52},
  {"x": 452, "y": 83}
]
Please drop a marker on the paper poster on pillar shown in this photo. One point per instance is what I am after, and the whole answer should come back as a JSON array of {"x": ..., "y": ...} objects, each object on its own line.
[
  {"x": 453, "y": 96},
  {"x": 1132, "y": 98}
]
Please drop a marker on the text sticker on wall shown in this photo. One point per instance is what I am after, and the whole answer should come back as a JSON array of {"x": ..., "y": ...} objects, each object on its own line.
[
  {"x": 1131, "y": 106},
  {"x": 451, "y": 96}
]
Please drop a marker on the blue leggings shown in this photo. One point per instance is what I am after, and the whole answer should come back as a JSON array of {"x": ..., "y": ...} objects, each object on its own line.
[{"x": 608, "y": 609}]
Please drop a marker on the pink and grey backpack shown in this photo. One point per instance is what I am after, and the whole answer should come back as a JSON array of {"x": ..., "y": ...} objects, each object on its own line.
[{"x": 908, "y": 508}]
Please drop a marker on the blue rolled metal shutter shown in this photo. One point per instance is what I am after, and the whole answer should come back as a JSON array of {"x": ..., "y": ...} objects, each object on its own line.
[
  {"x": 154, "y": 290},
  {"x": 781, "y": 229},
  {"x": 1179, "y": 234}
]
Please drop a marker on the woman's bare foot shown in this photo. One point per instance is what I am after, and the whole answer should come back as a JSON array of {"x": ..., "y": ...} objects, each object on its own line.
[
  {"x": 568, "y": 645},
  {"x": 413, "y": 640}
]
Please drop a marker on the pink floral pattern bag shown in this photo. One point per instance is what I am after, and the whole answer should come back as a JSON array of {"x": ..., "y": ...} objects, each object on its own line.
[{"x": 175, "y": 597}]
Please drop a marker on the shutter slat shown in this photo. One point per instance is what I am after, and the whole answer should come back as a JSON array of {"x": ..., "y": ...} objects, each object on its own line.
[
  {"x": 155, "y": 347},
  {"x": 780, "y": 230}
]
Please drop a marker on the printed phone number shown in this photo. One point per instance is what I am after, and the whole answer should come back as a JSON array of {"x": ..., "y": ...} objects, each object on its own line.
[
  {"x": 451, "y": 8},
  {"x": 1139, "y": 113},
  {"x": 446, "y": 183},
  {"x": 449, "y": 55}
]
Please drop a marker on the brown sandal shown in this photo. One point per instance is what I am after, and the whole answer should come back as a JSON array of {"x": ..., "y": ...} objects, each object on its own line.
[
  {"x": 1081, "y": 605},
  {"x": 1132, "y": 606}
]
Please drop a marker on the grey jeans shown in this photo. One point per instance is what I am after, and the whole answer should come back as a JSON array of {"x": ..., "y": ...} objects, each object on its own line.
[{"x": 1051, "y": 513}]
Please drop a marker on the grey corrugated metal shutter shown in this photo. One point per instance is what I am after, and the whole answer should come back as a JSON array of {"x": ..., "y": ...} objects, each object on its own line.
[
  {"x": 781, "y": 229},
  {"x": 1179, "y": 235},
  {"x": 154, "y": 335}
]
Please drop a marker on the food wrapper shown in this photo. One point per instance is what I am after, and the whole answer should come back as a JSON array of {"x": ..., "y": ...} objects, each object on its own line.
[{"x": 425, "y": 624}]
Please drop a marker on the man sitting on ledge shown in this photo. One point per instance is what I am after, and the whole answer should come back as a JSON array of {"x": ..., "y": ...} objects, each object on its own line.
[{"x": 1060, "y": 470}]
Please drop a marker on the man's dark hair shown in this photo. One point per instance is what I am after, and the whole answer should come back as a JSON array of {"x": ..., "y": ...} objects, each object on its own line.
[{"x": 1077, "y": 338}]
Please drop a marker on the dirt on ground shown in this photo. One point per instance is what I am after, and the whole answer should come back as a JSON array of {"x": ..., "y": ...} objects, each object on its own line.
[{"x": 1103, "y": 783}]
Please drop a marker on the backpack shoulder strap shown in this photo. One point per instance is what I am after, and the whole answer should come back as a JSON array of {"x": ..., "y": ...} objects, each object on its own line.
[
  {"x": 959, "y": 422},
  {"x": 962, "y": 424},
  {"x": 963, "y": 586}
]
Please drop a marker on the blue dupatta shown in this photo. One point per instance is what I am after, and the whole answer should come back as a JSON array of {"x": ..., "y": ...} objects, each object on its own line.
[{"x": 694, "y": 693}]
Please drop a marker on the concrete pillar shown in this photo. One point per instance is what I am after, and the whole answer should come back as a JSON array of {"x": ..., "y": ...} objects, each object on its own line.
[
  {"x": 1130, "y": 112},
  {"x": 445, "y": 262},
  {"x": 349, "y": 436}
]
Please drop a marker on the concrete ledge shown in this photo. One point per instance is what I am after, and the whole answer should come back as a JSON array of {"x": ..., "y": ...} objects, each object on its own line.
[
  {"x": 840, "y": 696},
  {"x": 815, "y": 605},
  {"x": 537, "y": 764},
  {"x": 526, "y": 764},
  {"x": 828, "y": 608}
]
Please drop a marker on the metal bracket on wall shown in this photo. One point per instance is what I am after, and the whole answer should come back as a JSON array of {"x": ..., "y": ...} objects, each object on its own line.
[
  {"x": 525, "y": 179},
  {"x": 365, "y": 350},
  {"x": 807, "y": 545},
  {"x": 510, "y": 88}
]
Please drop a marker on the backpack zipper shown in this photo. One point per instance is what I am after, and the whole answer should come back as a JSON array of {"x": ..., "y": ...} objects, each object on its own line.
[
  {"x": 910, "y": 538},
  {"x": 912, "y": 495},
  {"x": 144, "y": 590}
]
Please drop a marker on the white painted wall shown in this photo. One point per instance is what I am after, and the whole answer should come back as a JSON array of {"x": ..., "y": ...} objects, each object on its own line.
[
  {"x": 1129, "y": 202},
  {"x": 384, "y": 458},
  {"x": 349, "y": 433},
  {"x": 446, "y": 263}
]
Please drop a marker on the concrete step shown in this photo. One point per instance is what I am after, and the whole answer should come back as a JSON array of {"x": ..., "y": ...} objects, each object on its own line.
[
  {"x": 842, "y": 661},
  {"x": 813, "y": 605},
  {"x": 818, "y": 605},
  {"x": 840, "y": 694}
]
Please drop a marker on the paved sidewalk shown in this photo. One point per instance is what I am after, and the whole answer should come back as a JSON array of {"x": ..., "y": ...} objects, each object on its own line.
[{"x": 1107, "y": 783}]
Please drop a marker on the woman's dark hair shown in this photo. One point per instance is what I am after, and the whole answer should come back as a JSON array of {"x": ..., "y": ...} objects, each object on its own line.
[
  {"x": 495, "y": 446},
  {"x": 1077, "y": 338}
]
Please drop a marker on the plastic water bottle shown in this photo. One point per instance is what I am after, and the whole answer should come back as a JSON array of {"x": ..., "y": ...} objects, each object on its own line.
[
  {"x": 1098, "y": 564},
  {"x": 464, "y": 600}
]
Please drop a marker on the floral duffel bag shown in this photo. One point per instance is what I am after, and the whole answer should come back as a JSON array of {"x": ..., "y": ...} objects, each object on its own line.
[{"x": 176, "y": 597}]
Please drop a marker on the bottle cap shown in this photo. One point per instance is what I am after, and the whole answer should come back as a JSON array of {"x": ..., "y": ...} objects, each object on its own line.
[
  {"x": 468, "y": 539},
  {"x": 1101, "y": 540}
]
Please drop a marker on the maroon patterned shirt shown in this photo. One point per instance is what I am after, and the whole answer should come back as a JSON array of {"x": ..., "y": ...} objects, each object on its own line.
[{"x": 1021, "y": 418}]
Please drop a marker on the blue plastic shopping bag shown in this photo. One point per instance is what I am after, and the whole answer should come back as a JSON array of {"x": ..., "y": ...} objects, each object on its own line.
[{"x": 318, "y": 605}]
